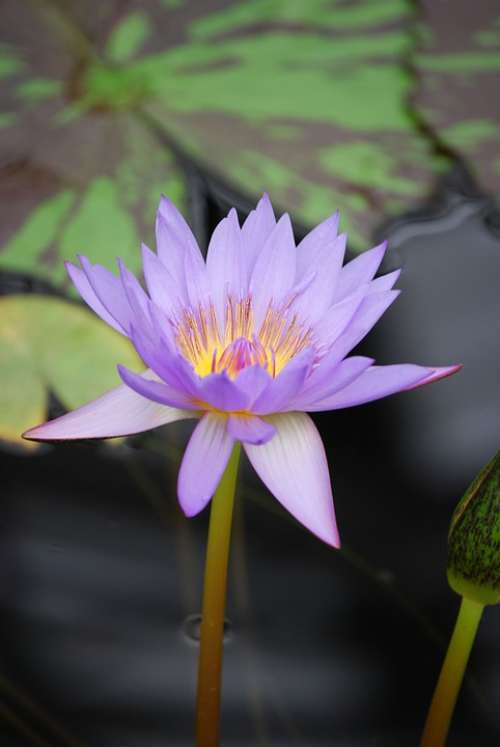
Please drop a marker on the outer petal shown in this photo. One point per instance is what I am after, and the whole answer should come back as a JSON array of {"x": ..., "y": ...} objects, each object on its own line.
[
  {"x": 81, "y": 283},
  {"x": 120, "y": 412},
  {"x": 367, "y": 315},
  {"x": 204, "y": 462},
  {"x": 157, "y": 391},
  {"x": 329, "y": 378},
  {"x": 319, "y": 296},
  {"x": 250, "y": 429},
  {"x": 293, "y": 465},
  {"x": 225, "y": 264},
  {"x": 339, "y": 318},
  {"x": 380, "y": 381},
  {"x": 311, "y": 244},
  {"x": 171, "y": 367},
  {"x": 110, "y": 291},
  {"x": 274, "y": 271},
  {"x": 384, "y": 282},
  {"x": 286, "y": 385},
  {"x": 174, "y": 239},
  {"x": 255, "y": 230},
  {"x": 162, "y": 287},
  {"x": 359, "y": 270}
]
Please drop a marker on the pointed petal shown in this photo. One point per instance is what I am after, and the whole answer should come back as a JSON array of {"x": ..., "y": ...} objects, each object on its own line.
[
  {"x": 255, "y": 231},
  {"x": 81, "y": 283},
  {"x": 252, "y": 381},
  {"x": 307, "y": 250},
  {"x": 110, "y": 291},
  {"x": 367, "y": 315},
  {"x": 314, "y": 303},
  {"x": 157, "y": 391},
  {"x": 120, "y": 412},
  {"x": 161, "y": 285},
  {"x": 174, "y": 239},
  {"x": 282, "y": 390},
  {"x": 339, "y": 318},
  {"x": 329, "y": 378},
  {"x": 170, "y": 367},
  {"x": 225, "y": 264},
  {"x": 274, "y": 271},
  {"x": 196, "y": 280},
  {"x": 293, "y": 465},
  {"x": 223, "y": 393},
  {"x": 380, "y": 381},
  {"x": 250, "y": 429},
  {"x": 137, "y": 298},
  {"x": 204, "y": 462},
  {"x": 359, "y": 271},
  {"x": 384, "y": 282}
]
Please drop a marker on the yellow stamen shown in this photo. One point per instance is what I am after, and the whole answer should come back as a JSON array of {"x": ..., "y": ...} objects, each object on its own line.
[{"x": 280, "y": 337}]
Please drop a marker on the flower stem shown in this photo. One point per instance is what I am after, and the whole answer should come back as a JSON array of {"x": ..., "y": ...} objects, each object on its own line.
[
  {"x": 449, "y": 682},
  {"x": 214, "y": 601}
]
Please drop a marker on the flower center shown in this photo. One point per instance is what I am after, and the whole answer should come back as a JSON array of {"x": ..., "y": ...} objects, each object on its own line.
[{"x": 279, "y": 337}]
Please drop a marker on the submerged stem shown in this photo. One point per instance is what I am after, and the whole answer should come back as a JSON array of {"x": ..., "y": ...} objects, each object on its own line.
[
  {"x": 214, "y": 601},
  {"x": 448, "y": 686}
]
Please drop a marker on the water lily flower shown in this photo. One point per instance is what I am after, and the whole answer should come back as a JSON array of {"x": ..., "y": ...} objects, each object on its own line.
[{"x": 247, "y": 343}]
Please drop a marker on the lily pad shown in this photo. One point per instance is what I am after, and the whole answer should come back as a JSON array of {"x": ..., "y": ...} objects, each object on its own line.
[
  {"x": 306, "y": 100},
  {"x": 77, "y": 178},
  {"x": 51, "y": 345},
  {"x": 459, "y": 65}
]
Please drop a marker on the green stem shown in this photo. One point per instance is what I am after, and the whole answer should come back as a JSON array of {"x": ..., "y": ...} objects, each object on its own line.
[
  {"x": 214, "y": 602},
  {"x": 445, "y": 695}
]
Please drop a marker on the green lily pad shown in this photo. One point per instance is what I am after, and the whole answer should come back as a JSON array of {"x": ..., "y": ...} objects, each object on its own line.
[
  {"x": 306, "y": 100},
  {"x": 80, "y": 178},
  {"x": 459, "y": 65},
  {"x": 51, "y": 345}
]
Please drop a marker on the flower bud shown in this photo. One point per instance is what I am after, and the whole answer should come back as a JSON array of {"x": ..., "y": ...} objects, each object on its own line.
[{"x": 474, "y": 539}]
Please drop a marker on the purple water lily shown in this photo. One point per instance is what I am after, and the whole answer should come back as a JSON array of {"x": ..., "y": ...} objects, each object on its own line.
[{"x": 246, "y": 343}]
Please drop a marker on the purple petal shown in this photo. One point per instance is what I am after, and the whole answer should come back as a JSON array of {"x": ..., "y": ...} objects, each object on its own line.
[
  {"x": 311, "y": 245},
  {"x": 174, "y": 240},
  {"x": 170, "y": 367},
  {"x": 384, "y": 282},
  {"x": 110, "y": 292},
  {"x": 225, "y": 264},
  {"x": 120, "y": 412},
  {"x": 359, "y": 271},
  {"x": 204, "y": 462},
  {"x": 437, "y": 374},
  {"x": 255, "y": 231},
  {"x": 137, "y": 298},
  {"x": 282, "y": 390},
  {"x": 339, "y": 318},
  {"x": 251, "y": 382},
  {"x": 250, "y": 429},
  {"x": 274, "y": 271},
  {"x": 319, "y": 296},
  {"x": 293, "y": 465},
  {"x": 223, "y": 393},
  {"x": 157, "y": 391},
  {"x": 328, "y": 378},
  {"x": 381, "y": 381},
  {"x": 195, "y": 274},
  {"x": 162, "y": 286},
  {"x": 367, "y": 315},
  {"x": 81, "y": 283}
]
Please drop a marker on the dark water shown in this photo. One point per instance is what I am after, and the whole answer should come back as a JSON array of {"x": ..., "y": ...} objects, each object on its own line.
[{"x": 102, "y": 574}]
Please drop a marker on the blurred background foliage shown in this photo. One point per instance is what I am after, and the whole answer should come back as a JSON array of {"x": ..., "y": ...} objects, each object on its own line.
[{"x": 360, "y": 105}]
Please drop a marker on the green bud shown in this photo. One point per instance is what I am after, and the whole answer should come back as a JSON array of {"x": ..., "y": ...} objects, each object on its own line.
[{"x": 474, "y": 539}]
